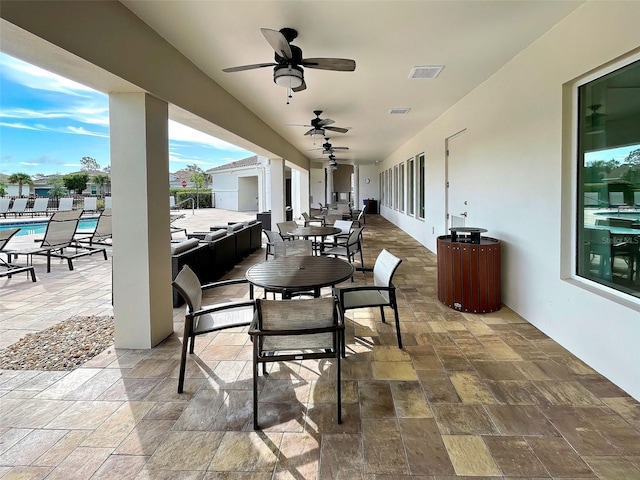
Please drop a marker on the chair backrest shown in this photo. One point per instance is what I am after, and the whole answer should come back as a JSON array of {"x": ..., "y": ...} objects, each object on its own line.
[
  {"x": 19, "y": 205},
  {"x": 286, "y": 227},
  {"x": 189, "y": 286},
  {"x": 353, "y": 242},
  {"x": 306, "y": 217},
  {"x": 4, "y": 205},
  {"x": 172, "y": 201},
  {"x": 107, "y": 202},
  {"x": 294, "y": 248},
  {"x": 384, "y": 269},
  {"x": 636, "y": 199},
  {"x": 273, "y": 237},
  {"x": 591, "y": 199},
  {"x": 104, "y": 225},
  {"x": 5, "y": 236},
  {"x": 65, "y": 204},
  {"x": 90, "y": 203},
  {"x": 343, "y": 225},
  {"x": 292, "y": 318},
  {"x": 361, "y": 214},
  {"x": 61, "y": 228},
  {"x": 40, "y": 205},
  {"x": 616, "y": 198}
]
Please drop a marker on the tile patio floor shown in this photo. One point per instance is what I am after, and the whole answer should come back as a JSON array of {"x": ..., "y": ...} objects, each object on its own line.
[{"x": 470, "y": 396}]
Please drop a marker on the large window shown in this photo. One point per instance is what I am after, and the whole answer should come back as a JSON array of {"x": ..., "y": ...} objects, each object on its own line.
[
  {"x": 421, "y": 179},
  {"x": 410, "y": 187},
  {"x": 401, "y": 188},
  {"x": 608, "y": 247},
  {"x": 395, "y": 187}
]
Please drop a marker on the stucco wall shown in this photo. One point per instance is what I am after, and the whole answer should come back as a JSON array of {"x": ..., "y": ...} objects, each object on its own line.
[{"x": 510, "y": 166}]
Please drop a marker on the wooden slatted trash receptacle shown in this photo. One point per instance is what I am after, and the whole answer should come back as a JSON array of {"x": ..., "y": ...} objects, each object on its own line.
[{"x": 469, "y": 271}]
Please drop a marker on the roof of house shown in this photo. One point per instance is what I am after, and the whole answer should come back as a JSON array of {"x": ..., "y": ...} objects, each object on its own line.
[{"x": 245, "y": 162}]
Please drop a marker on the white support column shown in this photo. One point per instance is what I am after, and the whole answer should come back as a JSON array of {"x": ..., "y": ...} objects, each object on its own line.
[
  {"x": 329, "y": 185},
  {"x": 277, "y": 192},
  {"x": 141, "y": 240},
  {"x": 303, "y": 180},
  {"x": 357, "y": 204},
  {"x": 299, "y": 191}
]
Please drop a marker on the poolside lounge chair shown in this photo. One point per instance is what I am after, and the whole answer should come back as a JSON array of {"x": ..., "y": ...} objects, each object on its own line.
[
  {"x": 19, "y": 206},
  {"x": 616, "y": 199},
  {"x": 636, "y": 199},
  {"x": 11, "y": 269},
  {"x": 40, "y": 205},
  {"x": 58, "y": 241},
  {"x": 172, "y": 203},
  {"x": 65, "y": 204},
  {"x": 4, "y": 206},
  {"x": 173, "y": 228},
  {"x": 101, "y": 235},
  {"x": 90, "y": 204}
]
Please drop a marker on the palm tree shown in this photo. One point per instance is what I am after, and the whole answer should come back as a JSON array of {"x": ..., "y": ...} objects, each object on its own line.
[
  {"x": 20, "y": 179},
  {"x": 101, "y": 179}
]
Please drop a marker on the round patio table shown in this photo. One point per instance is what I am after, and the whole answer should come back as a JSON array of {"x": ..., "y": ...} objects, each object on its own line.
[
  {"x": 315, "y": 231},
  {"x": 289, "y": 275}
]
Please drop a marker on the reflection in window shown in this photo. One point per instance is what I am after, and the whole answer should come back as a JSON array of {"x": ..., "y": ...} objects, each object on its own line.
[
  {"x": 609, "y": 180},
  {"x": 395, "y": 187}
]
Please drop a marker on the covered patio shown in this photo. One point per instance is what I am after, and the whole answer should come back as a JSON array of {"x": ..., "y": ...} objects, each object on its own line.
[{"x": 488, "y": 396}]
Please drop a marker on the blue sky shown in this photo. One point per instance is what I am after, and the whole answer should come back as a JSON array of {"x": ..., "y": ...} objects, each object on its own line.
[{"x": 48, "y": 123}]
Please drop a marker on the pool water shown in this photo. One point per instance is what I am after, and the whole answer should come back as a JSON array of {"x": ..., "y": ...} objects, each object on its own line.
[{"x": 38, "y": 228}]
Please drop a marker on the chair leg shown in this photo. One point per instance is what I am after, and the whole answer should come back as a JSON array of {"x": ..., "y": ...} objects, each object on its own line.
[
  {"x": 339, "y": 378},
  {"x": 382, "y": 314},
  {"x": 255, "y": 385},
  {"x": 183, "y": 358},
  {"x": 399, "y": 335}
]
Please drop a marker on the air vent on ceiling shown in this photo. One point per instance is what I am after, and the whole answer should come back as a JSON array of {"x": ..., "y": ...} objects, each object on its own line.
[
  {"x": 429, "y": 71},
  {"x": 399, "y": 111}
]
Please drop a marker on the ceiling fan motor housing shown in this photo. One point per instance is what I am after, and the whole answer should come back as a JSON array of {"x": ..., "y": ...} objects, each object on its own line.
[{"x": 288, "y": 76}]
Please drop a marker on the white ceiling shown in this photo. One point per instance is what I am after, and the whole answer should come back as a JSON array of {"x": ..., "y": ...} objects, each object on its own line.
[{"x": 472, "y": 39}]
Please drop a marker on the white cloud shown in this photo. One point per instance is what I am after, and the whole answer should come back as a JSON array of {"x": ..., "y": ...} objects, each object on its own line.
[
  {"x": 182, "y": 133},
  {"x": 39, "y": 79},
  {"x": 18, "y": 125}
]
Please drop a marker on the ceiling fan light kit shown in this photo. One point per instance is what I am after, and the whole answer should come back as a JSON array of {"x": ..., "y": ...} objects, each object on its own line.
[{"x": 288, "y": 76}]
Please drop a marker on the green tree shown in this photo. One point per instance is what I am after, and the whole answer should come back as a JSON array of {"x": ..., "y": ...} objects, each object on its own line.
[
  {"x": 633, "y": 158},
  {"x": 89, "y": 163},
  {"x": 198, "y": 176},
  {"x": 101, "y": 179},
  {"x": 21, "y": 179},
  {"x": 3, "y": 189},
  {"x": 76, "y": 181},
  {"x": 57, "y": 187}
]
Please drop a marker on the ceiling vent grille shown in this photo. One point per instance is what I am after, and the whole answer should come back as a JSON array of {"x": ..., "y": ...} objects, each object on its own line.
[
  {"x": 399, "y": 111},
  {"x": 428, "y": 72}
]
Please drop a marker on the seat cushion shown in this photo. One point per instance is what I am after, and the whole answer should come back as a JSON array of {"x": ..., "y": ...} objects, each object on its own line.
[
  {"x": 364, "y": 298},
  {"x": 180, "y": 247}
]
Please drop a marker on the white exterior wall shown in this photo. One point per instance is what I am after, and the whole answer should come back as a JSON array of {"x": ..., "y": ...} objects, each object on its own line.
[
  {"x": 316, "y": 187},
  {"x": 513, "y": 181}
]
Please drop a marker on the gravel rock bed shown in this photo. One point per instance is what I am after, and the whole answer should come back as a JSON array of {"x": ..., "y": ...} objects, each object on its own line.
[{"x": 64, "y": 346}]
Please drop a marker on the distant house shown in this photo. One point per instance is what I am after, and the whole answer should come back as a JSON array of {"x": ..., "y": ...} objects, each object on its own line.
[
  {"x": 176, "y": 179},
  {"x": 242, "y": 185},
  {"x": 42, "y": 185}
]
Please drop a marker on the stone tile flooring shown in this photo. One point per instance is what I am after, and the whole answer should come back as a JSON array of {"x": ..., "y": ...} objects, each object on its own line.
[{"x": 469, "y": 396}]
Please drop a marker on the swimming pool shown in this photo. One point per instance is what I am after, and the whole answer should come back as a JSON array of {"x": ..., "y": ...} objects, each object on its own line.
[{"x": 38, "y": 227}]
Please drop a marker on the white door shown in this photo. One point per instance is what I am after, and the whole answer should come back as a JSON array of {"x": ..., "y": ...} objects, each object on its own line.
[{"x": 455, "y": 177}]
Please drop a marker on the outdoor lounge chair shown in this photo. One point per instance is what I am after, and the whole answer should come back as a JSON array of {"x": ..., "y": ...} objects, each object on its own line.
[
  {"x": 19, "y": 206},
  {"x": 288, "y": 330},
  {"x": 4, "y": 206},
  {"x": 58, "y": 241},
  {"x": 172, "y": 227},
  {"x": 40, "y": 205},
  {"x": 101, "y": 235},
  {"x": 90, "y": 204},
  {"x": 200, "y": 319},
  {"x": 381, "y": 294},
  {"x": 65, "y": 204},
  {"x": 11, "y": 269}
]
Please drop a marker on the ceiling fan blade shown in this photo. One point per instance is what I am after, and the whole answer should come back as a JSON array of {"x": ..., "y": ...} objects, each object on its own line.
[
  {"x": 337, "y": 129},
  {"x": 316, "y": 131},
  {"x": 339, "y": 148},
  {"x": 339, "y": 64},
  {"x": 301, "y": 87},
  {"x": 325, "y": 121},
  {"x": 248, "y": 67},
  {"x": 278, "y": 42}
]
